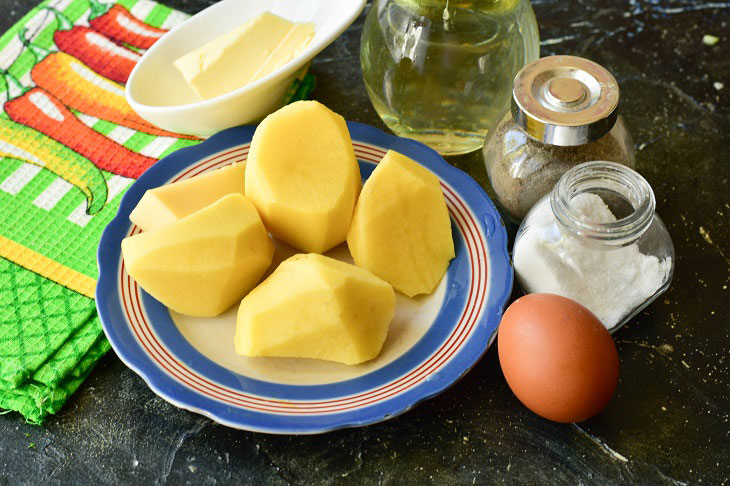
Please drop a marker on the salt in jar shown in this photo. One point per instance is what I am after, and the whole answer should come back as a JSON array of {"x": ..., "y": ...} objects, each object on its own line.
[{"x": 596, "y": 239}]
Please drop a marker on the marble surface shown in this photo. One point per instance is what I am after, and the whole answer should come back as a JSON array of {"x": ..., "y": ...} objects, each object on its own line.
[{"x": 668, "y": 423}]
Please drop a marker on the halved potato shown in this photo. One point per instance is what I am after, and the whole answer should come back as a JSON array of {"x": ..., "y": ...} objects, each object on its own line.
[
  {"x": 313, "y": 306},
  {"x": 401, "y": 229},
  {"x": 202, "y": 264},
  {"x": 163, "y": 205}
]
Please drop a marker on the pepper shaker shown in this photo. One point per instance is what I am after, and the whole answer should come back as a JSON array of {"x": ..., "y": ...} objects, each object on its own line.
[{"x": 564, "y": 112}]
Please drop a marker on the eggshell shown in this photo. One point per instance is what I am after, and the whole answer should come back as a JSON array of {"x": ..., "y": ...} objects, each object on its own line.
[{"x": 557, "y": 357}]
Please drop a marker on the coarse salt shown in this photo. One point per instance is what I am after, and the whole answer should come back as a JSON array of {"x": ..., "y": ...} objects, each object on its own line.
[{"x": 610, "y": 282}]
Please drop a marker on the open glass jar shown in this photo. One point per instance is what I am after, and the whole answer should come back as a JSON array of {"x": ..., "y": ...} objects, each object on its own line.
[
  {"x": 441, "y": 71},
  {"x": 564, "y": 112},
  {"x": 596, "y": 239}
]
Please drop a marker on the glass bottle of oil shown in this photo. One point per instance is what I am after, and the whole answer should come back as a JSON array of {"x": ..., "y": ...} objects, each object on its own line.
[{"x": 441, "y": 71}]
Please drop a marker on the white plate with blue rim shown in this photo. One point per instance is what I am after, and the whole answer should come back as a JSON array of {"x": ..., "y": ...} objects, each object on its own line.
[{"x": 432, "y": 342}]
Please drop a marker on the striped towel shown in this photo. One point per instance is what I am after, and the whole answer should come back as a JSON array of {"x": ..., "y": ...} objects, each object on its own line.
[{"x": 69, "y": 148}]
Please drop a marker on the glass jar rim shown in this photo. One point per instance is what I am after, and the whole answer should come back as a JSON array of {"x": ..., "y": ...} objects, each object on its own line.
[{"x": 590, "y": 177}]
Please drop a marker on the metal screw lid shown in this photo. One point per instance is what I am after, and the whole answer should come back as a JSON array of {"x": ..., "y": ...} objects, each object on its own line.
[{"x": 565, "y": 100}]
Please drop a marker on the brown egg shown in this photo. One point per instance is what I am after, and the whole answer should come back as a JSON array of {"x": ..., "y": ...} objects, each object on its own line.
[{"x": 557, "y": 357}]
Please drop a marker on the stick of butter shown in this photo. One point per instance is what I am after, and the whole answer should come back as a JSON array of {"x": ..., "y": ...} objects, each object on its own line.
[{"x": 243, "y": 55}]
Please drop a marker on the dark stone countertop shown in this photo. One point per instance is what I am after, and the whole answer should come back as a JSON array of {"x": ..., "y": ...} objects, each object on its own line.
[{"x": 668, "y": 422}]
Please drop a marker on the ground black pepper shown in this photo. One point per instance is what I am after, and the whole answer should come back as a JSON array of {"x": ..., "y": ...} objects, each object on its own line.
[{"x": 523, "y": 169}]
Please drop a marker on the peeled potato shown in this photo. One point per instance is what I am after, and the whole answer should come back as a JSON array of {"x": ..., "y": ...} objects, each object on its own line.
[
  {"x": 303, "y": 176},
  {"x": 313, "y": 306},
  {"x": 401, "y": 229},
  {"x": 202, "y": 264},
  {"x": 163, "y": 205}
]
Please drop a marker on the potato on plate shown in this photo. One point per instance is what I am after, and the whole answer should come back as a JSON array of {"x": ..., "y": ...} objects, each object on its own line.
[
  {"x": 202, "y": 264},
  {"x": 303, "y": 177},
  {"x": 401, "y": 229},
  {"x": 163, "y": 205},
  {"x": 314, "y": 306}
]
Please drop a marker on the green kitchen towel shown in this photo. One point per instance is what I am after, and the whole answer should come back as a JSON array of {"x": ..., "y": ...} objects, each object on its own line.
[
  {"x": 35, "y": 398},
  {"x": 38, "y": 318},
  {"x": 70, "y": 146},
  {"x": 58, "y": 189}
]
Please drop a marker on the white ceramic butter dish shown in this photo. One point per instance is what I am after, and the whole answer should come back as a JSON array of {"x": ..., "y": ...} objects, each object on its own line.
[{"x": 158, "y": 93}]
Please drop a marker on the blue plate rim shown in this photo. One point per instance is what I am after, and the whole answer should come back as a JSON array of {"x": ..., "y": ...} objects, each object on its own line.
[{"x": 469, "y": 353}]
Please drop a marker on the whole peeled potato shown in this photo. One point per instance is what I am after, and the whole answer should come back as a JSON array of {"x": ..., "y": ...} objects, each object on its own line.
[{"x": 557, "y": 357}]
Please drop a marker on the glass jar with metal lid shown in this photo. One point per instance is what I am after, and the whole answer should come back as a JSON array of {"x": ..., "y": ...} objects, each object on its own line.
[{"x": 564, "y": 112}]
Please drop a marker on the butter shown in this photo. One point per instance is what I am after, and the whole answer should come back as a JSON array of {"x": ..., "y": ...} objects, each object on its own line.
[
  {"x": 244, "y": 55},
  {"x": 166, "y": 204}
]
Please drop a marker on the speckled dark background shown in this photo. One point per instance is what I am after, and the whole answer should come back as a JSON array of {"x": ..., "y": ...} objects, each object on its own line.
[{"x": 668, "y": 423}]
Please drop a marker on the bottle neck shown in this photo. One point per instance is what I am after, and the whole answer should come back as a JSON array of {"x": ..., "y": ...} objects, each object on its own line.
[{"x": 617, "y": 185}]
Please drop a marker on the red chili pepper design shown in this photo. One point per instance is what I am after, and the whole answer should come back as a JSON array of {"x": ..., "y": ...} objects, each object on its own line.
[
  {"x": 97, "y": 51},
  {"x": 119, "y": 24},
  {"x": 94, "y": 49},
  {"x": 42, "y": 111},
  {"x": 80, "y": 88}
]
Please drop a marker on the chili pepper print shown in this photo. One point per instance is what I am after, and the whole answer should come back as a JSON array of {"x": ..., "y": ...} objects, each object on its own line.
[
  {"x": 80, "y": 88},
  {"x": 24, "y": 143},
  {"x": 119, "y": 24},
  {"x": 40, "y": 110},
  {"x": 101, "y": 54},
  {"x": 97, "y": 51}
]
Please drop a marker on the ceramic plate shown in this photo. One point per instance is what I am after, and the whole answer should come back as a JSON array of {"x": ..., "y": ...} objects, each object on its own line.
[{"x": 431, "y": 342}]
